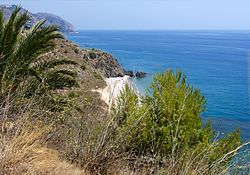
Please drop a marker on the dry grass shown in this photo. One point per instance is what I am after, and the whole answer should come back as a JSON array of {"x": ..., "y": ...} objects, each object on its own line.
[
  {"x": 88, "y": 137},
  {"x": 25, "y": 153},
  {"x": 90, "y": 144}
]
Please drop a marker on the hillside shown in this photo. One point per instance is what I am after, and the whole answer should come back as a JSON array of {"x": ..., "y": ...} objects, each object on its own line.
[
  {"x": 65, "y": 26},
  {"x": 53, "y": 120},
  {"x": 94, "y": 65}
]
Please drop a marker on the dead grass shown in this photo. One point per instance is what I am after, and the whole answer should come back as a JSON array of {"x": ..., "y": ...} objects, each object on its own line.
[
  {"x": 87, "y": 137},
  {"x": 25, "y": 153}
]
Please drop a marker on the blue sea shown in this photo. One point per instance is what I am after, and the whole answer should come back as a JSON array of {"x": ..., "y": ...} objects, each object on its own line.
[{"x": 216, "y": 62}]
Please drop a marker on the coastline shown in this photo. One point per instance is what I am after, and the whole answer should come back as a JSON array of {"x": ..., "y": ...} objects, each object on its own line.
[{"x": 113, "y": 89}]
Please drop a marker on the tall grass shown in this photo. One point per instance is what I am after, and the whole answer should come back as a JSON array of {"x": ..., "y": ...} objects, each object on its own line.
[
  {"x": 102, "y": 145},
  {"x": 25, "y": 154},
  {"x": 87, "y": 138},
  {"x": 23, "y": 141}
]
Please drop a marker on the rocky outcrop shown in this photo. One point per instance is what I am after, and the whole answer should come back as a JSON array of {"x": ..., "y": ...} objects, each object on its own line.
[
  {"x": 129, "y": 73},
  {"x": 50, "y": 18},
  {"x": 140, "y": 74},
  {"x": 135, "y": 74},
  {"x": 104, "y": 63},
  {"x": 93, "y": 65}
]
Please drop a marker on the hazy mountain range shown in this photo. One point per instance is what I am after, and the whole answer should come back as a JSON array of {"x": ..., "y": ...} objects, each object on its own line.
[{"x": 35, "y": 17}]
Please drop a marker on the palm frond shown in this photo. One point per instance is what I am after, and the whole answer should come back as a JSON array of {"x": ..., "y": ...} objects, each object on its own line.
[
  {"x": 6, "y": 32},
  {"x": 62, "y": 71},
  {"x": 1, "y": 35},
  {"x": 60, "y": 82},
  {"x": 20, "y": 21},
  {"x": 45, "y": 64},
  {"x": 11, "y": 31},
  {"x": 38, "y": 42},
  {"x": 58, "y": 79},
  {"x": 9, "y": 34},
  {"x": 1, "y": 21},
  {"x": 20, "y": 57},
  {"x": 21, "y": 73},
  {"x": 55, "y": 102}
]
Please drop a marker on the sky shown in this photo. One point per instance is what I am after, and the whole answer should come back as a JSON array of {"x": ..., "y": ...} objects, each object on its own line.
[{"x": 146, "y": 14}]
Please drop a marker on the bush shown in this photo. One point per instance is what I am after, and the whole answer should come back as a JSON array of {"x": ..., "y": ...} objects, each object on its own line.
[
  {"x": 83, "y": 66},
  {"x": 141, "y": 135},
  {"x": 92, "y": 55},
  {"x": 166, "y": 126},
  {"x": 173, "y": 122},
  {"x": 97, "y": 75},
  {"x": 76, "y": 50}
]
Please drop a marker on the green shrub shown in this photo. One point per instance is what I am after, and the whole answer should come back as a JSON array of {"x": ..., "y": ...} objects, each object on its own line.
[
  {"x": 76, "y": 50},
  {"x": 92, "y": 55},
  {"x": 173, "y": 122},
  {"x": 97, "y": 75},
  {"x": 166, "y": 123},
  {"x": 83, "y": 66}
]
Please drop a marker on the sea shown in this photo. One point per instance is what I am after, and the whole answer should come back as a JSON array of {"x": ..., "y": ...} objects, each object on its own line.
[{"x": 216, "y": 62}]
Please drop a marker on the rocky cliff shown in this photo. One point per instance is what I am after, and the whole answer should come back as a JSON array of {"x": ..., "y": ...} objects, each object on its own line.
[
  {"x": 105, "y": 63},
  {"x": 50, "y": 18},
  {"x": 93, "y": 65}
]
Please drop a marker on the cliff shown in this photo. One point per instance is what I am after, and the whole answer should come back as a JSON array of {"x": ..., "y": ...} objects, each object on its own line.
[
  {"x": 93, "y": 65},
  {"x": 105, "y": 63},
  {"x": 51, "y": 19}
]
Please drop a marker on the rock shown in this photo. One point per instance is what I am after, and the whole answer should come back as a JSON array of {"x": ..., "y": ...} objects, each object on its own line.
[
  {"x": 137, "y": 74},
  {"x": 92, "y": 55},
  {"x": 129, "y": 73},
  {"x": 140, "y": 74},
  {"x": 105, "y": 63}
]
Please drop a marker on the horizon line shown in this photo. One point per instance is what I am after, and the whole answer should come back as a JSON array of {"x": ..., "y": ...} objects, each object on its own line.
[{"x": 162, "y": 30}]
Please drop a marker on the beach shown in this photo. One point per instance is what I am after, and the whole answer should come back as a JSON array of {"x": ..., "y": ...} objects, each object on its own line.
[{"x": 114, "y": 86}]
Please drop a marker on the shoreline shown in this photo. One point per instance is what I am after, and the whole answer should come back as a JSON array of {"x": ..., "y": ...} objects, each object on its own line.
[{"x": 113, "y": 89}]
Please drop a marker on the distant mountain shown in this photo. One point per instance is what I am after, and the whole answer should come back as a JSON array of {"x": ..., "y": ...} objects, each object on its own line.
[{"x": 35, "y": 17}]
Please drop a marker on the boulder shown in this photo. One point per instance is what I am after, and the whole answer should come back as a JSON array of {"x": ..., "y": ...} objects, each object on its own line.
[
  {"x": 129, "y": 73},
  {"x": 140, "y": 74}
]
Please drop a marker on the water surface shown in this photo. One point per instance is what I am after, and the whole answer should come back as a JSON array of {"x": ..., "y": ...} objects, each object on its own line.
[{"x": 216, "y": 62}]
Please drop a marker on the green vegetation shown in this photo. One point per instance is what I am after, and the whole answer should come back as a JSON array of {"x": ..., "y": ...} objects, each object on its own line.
[
  {"x": 51, "y": 125},
  {"x": 97, "y": 75},
  {"x": 92, "y": 55},
  {"x": 166, "y": 124},
  {"x": 76, "y": 50},
  {"x": 21, "y": 55},
  {"x": 83, "y": 66}
]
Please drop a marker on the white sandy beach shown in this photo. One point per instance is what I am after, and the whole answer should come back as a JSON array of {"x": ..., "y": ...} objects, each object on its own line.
[{"x": 114, "y": 85}]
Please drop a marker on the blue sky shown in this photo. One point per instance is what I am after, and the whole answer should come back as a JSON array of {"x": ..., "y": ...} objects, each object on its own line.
[{"x": 146, "y": 14}]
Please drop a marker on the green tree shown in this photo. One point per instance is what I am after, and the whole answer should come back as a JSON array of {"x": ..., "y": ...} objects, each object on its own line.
[
  {"x": 173, "y": 121},
  {"x": 166, "y": 123}
]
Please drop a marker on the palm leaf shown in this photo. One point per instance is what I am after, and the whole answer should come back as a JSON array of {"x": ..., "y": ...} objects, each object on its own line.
[
  {"x": 1, "y": 23},
  {"x": 20, "y": 56},
  {"x": 45, "y": 64},
  {"x": 39, "y": 41},
  {"x": 62, "y": 71},
  {"x": 1, "y": 35},
  {"x": 58, "y": 79},
  {"x": 21, "y": 73},
  {"x": 11, "y": 31}
]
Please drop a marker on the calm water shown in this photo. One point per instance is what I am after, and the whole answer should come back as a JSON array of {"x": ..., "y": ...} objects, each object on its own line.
[{"x": 214, "y": 61}]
